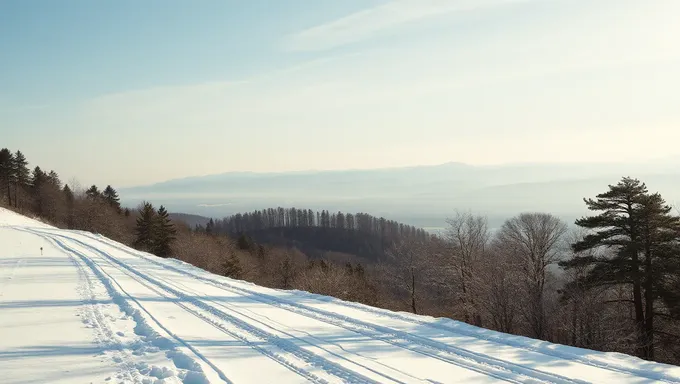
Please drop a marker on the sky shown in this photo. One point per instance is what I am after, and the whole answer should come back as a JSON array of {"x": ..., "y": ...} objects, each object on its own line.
[{"x": 134, "y": 92}]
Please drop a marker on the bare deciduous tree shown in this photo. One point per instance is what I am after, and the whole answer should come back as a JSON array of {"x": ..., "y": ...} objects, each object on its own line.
[
  {"x": 533, "y": 241},
  {"x": 468, "y": 238},
  {"x": 407, "y": 268}
]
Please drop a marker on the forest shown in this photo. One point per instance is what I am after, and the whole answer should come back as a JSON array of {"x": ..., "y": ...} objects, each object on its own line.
[
  {"x": 340, "y": 236},
  {"x": 610, "y": 282}
]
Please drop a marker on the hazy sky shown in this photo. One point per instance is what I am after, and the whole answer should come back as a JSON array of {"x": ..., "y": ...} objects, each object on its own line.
[{"x": 132, "y": 92}]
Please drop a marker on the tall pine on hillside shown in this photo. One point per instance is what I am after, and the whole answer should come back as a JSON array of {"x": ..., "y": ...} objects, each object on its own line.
[
  {"x": 69, "y": 197},
  {"x": 643, "y": 234},
  {"x": 22, "y": 179},
  {"x": 146, "y": 227},
  {"x": 38, "y": 181},
  {"x": 7, "y": 174},
  {"x": 111, "y": 197},
  {"x": 93, "y": 193},
  {"x": 165, "y": 233}
]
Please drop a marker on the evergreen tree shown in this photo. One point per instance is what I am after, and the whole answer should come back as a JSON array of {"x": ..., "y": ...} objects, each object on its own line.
[
  {"x": 93, "y": 192},
  {"x": 244, "y": 242},
  {"x": 7, "y": 173},
  {"x": 23, "y": 175},
  {"x": 643, "y": 235},
  {"x": 110, "y": 195},
  {"x": 165, "y": 233},
  {"x": 53, "y": 178},
  {"x": 38, "y": 181},
  {"x": 209, "y": 228},
  {"x": 70, "y": 202},
  {"x": 146, "y": 227},
  {"x": 126, "y": 212},
  {"x": 232, "y": 266}
]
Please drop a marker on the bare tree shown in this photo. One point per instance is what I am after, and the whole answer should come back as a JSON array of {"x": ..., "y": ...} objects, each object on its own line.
[
  {"x": 499, "y": 287},
  {"x": 533, "y": 241},
  {"x": 468, "y": 238},
  {"x": 407, "y": 268}
]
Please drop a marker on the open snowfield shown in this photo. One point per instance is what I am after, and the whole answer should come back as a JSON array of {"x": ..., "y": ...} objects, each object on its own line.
[{"x": 90, "y": 310}]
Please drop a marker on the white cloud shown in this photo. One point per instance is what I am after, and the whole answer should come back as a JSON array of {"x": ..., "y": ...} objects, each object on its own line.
[{"x": 370, "y": 22}]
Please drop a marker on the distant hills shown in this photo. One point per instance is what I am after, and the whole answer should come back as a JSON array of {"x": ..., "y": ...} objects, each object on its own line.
[{"x": 423, "y": 195}]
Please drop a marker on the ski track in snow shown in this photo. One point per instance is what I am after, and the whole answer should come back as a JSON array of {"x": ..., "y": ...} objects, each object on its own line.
[
  {"x": 303, "y": 354},
  {"x": 307, "y": 357},
  {"x": 323, "y": 350},
  {"x": 314, "y": 312},
  {"x": 347, "y": 322},
  {"x": 104, "y": 334},
  {"x": 192, "y": 372},
  {"x": 481, "y": 364}
]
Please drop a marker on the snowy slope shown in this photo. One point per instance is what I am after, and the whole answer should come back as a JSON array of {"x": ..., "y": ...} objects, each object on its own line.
[{"x": 92, "y": 310}]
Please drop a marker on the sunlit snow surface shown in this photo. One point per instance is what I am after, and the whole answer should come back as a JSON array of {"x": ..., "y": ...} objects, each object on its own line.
[{"x": 90, "y": 310}]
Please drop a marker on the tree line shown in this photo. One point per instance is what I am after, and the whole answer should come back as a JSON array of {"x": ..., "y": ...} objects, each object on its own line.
[
  {"x": 43, "y": 194},
  {"x": 611, "y": 283},
  {"x": 272, "y": 218}
]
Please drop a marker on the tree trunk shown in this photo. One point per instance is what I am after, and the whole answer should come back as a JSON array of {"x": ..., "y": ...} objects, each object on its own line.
[
  {"x": 639, "y": 310},
  {"x": 413, "y": 291},
  {"x": 649, "y": 305},
  {"x": 640, "y": 348}
]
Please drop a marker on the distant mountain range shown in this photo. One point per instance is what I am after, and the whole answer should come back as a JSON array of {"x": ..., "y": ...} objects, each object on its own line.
[{"x": 422, "y": 195}]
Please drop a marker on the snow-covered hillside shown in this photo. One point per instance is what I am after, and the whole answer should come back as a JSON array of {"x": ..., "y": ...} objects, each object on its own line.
[{"x": 89, "y": 309}]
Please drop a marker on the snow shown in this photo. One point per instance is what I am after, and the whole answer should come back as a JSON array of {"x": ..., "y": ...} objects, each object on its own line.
[{"x": 92, "y": 310}]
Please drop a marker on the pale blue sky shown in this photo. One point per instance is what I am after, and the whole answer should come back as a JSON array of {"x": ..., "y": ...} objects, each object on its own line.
[{"x": 132, "y": 92}]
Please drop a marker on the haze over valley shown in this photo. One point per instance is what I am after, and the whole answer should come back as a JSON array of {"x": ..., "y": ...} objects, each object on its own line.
[{"x": 422, "y": 196}]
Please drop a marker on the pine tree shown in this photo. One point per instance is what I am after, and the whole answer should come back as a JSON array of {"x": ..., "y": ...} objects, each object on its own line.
[
  {"x": 209, "y": 227},
  {"x": 639, "y": 228},
  {"x": 146, "y": 227},
  {"x": 165, "y": 233},
  {"x": 93, "y": 193},
  {"x": 232, "y": 266},
  {"x": 53, "y": 178},
  {"x": 111, "y": 197},
  {"x": 23, "y": 176},
  {"x": 70, "y": 201},
  {"x": 38, "y": 181},
  {"x": 7, "y": 173}
]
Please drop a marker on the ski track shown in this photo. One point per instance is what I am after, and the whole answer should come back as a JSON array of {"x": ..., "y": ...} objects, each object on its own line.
[
  {"x": 104, "y": 334},
  {"x": 194, "y": 373},
  {"x": 154, "y": 285},
  {"x": 486, "y": 365},
  {"x": 332, "y": 368},
  {"x": 659, "y": 377},
  {"x": 470, "y": 360},
  {"x": 307, "y": 334}
]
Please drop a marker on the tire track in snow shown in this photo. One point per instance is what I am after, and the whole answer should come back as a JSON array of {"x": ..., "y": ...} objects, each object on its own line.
[
  {"x": 163, "y": 290},
  {"x": 286, "y": 345},
  {"x": 612, "y": 367},
  {"x": 450, "y": 354},
  {"x": 194, "y": 373},
  {"x": 309, "y": 335},
  {"x": 253, "y": 319},
  {"x": 105, "y": 334},
  {"x": 479, "y": 363}
]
